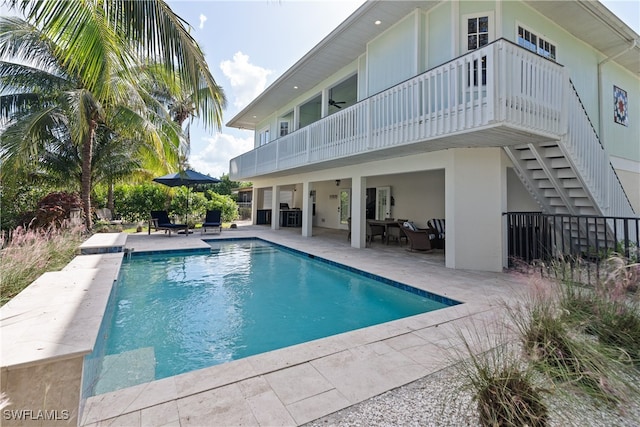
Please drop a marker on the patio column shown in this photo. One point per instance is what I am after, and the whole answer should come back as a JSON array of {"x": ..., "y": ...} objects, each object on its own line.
[
  {"x": 474, "y": 186},
  {"x": 254, "y": 205},
  {"x": 275, "y": 207},
  {"x": 358, "y": 212},
  {"x": 307, "y": 209}
]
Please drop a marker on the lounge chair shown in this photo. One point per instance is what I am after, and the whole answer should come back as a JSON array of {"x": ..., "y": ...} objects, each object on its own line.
[
  {"x": 212, "y": 221},
  {"x": 160, "y": 221},
  {"x": 418, "y": 239},
  {"x": 104, "y": 214}
]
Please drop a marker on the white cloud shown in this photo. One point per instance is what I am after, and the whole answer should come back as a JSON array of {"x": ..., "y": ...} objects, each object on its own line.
[
  {"x": 220, "y": 149},
  {"x": 247, "y": 80},
  {"x": 202, "y": 20}
]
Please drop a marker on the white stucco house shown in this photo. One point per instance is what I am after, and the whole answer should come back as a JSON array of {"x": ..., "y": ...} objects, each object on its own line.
[{"x": 461, "y": 110}]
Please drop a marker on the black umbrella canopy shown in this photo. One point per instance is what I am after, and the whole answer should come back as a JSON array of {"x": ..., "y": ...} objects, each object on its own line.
[{"x": 188, "y": 178}]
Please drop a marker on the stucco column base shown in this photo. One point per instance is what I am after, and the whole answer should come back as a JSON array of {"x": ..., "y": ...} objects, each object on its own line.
[{"x": 474, "y": 187}]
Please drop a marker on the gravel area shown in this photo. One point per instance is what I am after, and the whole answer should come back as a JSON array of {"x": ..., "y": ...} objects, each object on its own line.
[{"x": 436, "y": 400}]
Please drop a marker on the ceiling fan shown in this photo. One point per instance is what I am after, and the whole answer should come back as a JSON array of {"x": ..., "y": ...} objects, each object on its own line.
[{"x": 335, "y": 103}]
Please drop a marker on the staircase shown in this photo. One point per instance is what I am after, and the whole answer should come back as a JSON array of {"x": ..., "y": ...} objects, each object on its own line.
[{"x": 573, "y": 177}]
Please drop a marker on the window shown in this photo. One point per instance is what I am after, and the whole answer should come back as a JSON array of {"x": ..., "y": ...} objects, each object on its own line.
[
  {"x": 284, "y": 128},
  {"x": 479, "y": 34},
  {"x": 535, "y": 43},
  {"x": 263, "y": 137}
]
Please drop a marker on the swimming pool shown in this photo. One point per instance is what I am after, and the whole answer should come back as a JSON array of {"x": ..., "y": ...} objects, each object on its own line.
[{"x": 174, "y": 313}]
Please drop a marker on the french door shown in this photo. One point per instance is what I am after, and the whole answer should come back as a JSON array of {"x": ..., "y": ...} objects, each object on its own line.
[{"x": 345, "y": 207}]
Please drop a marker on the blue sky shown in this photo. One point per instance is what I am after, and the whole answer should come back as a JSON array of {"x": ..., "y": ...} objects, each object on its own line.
[{"x": 249, "y": 44}]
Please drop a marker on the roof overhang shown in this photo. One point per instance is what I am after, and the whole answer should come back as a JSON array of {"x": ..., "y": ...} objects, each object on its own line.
[{"x": 589, "y": 21}]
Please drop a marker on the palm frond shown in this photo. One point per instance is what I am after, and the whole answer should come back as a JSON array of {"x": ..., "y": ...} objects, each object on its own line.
[{"x": 23, "y": 42}]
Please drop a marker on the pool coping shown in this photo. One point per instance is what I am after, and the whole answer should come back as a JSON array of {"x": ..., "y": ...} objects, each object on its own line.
[{"x": 419, "y": 345}]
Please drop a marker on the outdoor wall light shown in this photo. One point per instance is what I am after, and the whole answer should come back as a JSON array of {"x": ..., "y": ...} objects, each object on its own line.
[{"x": 337, "y": 182}]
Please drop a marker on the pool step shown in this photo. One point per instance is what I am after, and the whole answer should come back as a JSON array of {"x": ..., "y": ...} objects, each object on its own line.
[{"x": 126, "y": 369}]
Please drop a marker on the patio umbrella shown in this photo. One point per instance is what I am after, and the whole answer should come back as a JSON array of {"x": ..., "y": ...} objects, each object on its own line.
[{"x": 189, "y": 178}]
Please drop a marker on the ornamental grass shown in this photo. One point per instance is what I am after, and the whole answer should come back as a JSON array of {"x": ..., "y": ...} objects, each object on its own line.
[{"x": 27, "y": 253}]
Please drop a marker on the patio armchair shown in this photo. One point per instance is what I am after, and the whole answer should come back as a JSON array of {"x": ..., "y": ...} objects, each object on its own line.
[
  {"x": 418, "y": 239},
  {"x": 159, "y": 220},
  {"x": 396, "y": 231},
  {"x": 373, "y": 231},
  {"x": 212, "y": 221}
]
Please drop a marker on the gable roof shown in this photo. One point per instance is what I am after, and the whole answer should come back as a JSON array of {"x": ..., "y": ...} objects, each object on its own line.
[{"x": 588, "y": 21}]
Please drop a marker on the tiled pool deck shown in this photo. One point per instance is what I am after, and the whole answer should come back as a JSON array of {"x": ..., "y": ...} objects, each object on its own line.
[{"x": 298, "y": 384}]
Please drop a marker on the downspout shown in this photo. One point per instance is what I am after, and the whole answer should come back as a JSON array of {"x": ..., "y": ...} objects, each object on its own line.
[{"x": 601, "y": 119}]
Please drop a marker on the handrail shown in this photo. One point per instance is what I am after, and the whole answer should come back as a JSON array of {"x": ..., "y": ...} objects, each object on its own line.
[{"x": 586, "y": 152}]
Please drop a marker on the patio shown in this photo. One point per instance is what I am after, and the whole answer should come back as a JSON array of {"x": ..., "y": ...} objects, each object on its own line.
[{"x": 298, "y": 384}]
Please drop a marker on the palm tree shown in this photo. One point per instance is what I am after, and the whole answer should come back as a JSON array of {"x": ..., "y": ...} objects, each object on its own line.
[
  {"x": 47, "y": 114},
  {"x": 100, "y": 43}
]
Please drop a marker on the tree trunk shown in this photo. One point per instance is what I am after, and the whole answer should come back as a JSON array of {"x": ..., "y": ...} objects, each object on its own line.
[
  {"x": 110, "y": 203},
  {"x": 87, "y": 155}
]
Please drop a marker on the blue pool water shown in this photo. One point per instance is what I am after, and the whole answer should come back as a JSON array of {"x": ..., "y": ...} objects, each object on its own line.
[{"x": 174, "y": 313}]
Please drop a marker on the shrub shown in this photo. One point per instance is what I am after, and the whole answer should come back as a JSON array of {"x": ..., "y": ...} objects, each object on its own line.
[
  {"x": 27, "y": 253},
  {"x": 552, "y": 329},
  {"x": 134, "y": 202},
  {"x": 197, "y": 204},
  {"x": 225, "y": 204},
  {"x": 502, "y": 386},
  {"x": 18, "y": 203}
]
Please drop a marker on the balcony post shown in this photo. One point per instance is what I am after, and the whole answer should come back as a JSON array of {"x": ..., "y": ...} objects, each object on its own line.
[
  {"x": 307, "y": 209},
  {"x": 275, "y": 207},
  {"x": 358, "y": 212}
]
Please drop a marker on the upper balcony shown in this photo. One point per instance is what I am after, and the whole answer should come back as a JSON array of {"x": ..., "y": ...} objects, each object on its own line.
[{"x": 498, "y": 95}]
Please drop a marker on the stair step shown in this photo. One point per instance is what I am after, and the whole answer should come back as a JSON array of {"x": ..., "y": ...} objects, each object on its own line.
[
  {"x": 532, "y": 165},
  {"x": 582, "y": 202},
  {"x": 548, "y": 144},
  {"x": 545, "y": 183},
  {"x": 556, "y": 201},
  {"x": 558, "y": 163},
  {"x": 588, "y": 210},
  {"x": 571, "y": 183},
  {"x": 565, "y": 173},
  {"x": 550, "y": 192},
  {"x": 554, "y": 151},
  {"x": 538, "y": 174},
  {"x": 527, "y": 155},
  {"x": 577, "y": 192}
]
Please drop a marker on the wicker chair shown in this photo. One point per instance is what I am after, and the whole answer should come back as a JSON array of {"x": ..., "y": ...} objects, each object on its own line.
[{"x": 418, "y": 240}]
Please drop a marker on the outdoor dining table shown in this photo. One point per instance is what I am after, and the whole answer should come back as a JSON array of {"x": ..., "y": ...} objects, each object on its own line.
[{"x": 386, "y": 223}]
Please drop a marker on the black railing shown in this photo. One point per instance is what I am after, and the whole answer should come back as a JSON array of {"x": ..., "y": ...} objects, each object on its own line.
[{"x": 534, "y": 237}]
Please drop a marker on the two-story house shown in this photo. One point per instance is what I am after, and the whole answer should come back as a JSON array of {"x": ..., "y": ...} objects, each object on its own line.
[{"x": 460, "y": 110}]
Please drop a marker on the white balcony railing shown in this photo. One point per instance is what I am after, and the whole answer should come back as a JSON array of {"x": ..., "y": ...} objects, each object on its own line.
[{"x": 499, "y": 83}]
